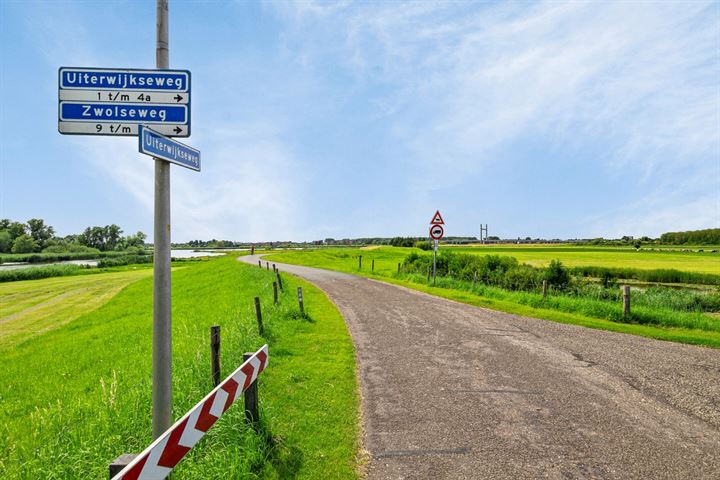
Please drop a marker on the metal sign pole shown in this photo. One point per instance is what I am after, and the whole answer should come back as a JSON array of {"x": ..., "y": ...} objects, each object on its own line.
[
  {"x": 434, "y": 261},
  {"x": 162, "y": 332}
]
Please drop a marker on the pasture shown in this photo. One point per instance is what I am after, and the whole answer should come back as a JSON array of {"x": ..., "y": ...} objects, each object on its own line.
[{"x": 615, "y": 257}]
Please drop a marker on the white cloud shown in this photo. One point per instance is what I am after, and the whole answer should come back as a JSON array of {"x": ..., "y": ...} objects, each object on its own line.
[{"x": 632, "y": 85}]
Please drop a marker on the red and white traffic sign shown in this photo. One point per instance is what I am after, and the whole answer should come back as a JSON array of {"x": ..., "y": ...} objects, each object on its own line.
[
  {"x": 436, "y": 232},
  {"x": 437, "y": 219}
]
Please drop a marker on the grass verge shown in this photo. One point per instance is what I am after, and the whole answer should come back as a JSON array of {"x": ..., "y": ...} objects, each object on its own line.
[{"x": 77, "y": 396}]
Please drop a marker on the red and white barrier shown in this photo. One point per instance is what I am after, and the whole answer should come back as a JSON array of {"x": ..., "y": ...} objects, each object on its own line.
[{"x": 156, "y": 461}]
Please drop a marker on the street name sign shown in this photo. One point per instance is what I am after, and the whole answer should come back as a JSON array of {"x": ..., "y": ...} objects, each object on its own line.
[
  {"x": 437, "y": 219},
  {"x": 436, "y": 232},
  {"x": 157, "y": 145},
  {"x": 97, "y": 101}
]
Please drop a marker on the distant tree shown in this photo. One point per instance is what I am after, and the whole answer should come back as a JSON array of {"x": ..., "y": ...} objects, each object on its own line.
[
  {"x": 93, "y": 237},
  {"x": 16, "y": 229},
  {"x": 637, "y": 244},
  {"x": 5, "y": 241},
  {"x": 111, "y": 236},
  {"x": 40, "y": 232},
  {"x": 137, "y": 240},
  {"x": 24, "y": 244}
]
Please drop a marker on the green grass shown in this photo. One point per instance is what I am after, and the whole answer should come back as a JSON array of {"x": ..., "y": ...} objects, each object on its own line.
[
  {"x": 618, "y": 257},
  {"x": 79, "y": 394},
  {"x": 651, "y": 322}
]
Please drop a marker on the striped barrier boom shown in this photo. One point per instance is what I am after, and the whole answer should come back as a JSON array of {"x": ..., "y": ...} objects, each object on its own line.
[{"x": 158, "y": 460}]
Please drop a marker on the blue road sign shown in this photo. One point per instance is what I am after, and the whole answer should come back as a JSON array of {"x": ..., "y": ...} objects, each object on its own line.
[
  {"x": 157, "y": 145},
  {"x": 115, "y": 79},
  {"x": 97, "y": 101},
  {"x": 123, "y": 112}
]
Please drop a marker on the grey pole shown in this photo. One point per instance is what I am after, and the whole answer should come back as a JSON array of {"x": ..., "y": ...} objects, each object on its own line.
[
  {"x": 162, "y": 332},
  {"x": 434, "y": 261}
]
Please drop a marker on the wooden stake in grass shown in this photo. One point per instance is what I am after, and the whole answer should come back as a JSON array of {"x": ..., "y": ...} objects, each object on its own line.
[
  {"x": 274, "y": 268},
  {"x": 252, "y": 250},
  {"x": 275, "y": 293},
  {"x": 626, "y": 300},
  {"x": 279, "y": 280},
  {"x": 373, "y": 264},
  {"x": 252, "y": 412},
  {"x": 121, "y": 462},
  {"x": 215, "y": 354},
  {"x": 300, "y": 301},
  {"x": 544, "y": 288},
  {"x": 359, "y": 262},
  {"x": 267, "y": 264},
  {"x": 260, "y": 263},
  {"x": 258, "y": 315},
  {"x": 398, "y": 268}
]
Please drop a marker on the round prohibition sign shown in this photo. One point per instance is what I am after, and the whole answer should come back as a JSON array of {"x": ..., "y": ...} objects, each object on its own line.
[{"x": 436, "y": 232}]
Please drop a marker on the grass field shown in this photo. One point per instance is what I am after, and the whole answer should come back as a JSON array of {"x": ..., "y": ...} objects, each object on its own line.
[
  {"x": 704, "y": 262},
  {"x": 661, "y": 323},
  {"x": 78, "y": 393},
  {"x": 33, "y": 307}
]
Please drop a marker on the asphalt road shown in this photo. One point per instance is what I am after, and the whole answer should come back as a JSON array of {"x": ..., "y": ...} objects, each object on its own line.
[{"x": 455, "y": 391}]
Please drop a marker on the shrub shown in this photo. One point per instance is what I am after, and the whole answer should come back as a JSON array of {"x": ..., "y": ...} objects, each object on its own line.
[
  {"x": 423, "y": 245},
  {"x": 24, "y": 244},
  {"x": 557, "y": 275}
]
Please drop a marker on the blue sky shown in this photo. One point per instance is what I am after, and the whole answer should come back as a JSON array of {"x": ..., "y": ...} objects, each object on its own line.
[{"x": 348, "y": 119}]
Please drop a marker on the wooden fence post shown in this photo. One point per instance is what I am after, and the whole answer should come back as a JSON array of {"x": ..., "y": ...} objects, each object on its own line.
[
  {"x": 120, "y": 462},
  {"x": 398, "y": 267},
  {"x": 275, "y": 293},
  {"x": 260, "y": 263},
  {"x": 252, "y": 413},
  {"x": 215, "y": 354},
  {"x": 300, "y": 301},
  {"x": 626, "y": 300},
  {"x": 428, "y": 272},
  {"x": 267, "y": 264},
  {"x": 544, "y": 288},
  {"x": 279, "y": 280},
  {"x": 252, "y": 250},
  {"x": 274, "y": 268},
  {"x": 359, "y": 262},
  {"x": 373, "y": 264},
  {"x": 258, "y": 315}
]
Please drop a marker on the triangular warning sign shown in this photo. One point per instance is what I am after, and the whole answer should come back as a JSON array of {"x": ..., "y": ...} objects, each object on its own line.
[{"x": 437, "y": 219}]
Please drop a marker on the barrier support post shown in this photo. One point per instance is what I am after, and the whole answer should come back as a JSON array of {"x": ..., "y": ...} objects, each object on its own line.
[
  {"x": 258, "y": 315},
  {"x": 215, "y": 354},
  {"x": 119, "y": 463},
  {"x": 252, "y": 414}
]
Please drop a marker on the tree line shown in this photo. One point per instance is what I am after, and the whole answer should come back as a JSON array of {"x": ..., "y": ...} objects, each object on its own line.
[
  {"x": 36, "y": 236},
  {"x": 709, "y": 236}
]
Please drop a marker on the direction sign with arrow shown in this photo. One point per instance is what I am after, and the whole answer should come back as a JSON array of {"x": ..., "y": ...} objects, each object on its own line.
[{"x": 102, "y": 101}]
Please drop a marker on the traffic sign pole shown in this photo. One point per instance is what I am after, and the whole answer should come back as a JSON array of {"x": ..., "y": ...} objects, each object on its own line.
[
  {"x": 162, "y": 326},
  {"x": 434, "y": 261},
  {"x": 436, "y": 233}
]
